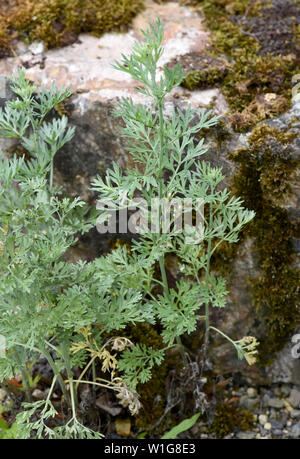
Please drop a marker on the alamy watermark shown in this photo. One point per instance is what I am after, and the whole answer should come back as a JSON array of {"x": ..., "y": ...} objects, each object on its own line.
[
  {"x": 2, "y": 346},
  {"x": 296, "y": 87},
  {"x": 162, "y": 216},
  {"x": 295, "y": 351},
  {"x": 3, "y": 87}
]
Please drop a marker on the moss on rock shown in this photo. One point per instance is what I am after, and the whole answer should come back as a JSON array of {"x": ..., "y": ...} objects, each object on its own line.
[
  {"x": 266, "y": 169},
  {"x": 59, "y": 22},
  {"x": 227, "y": 418},
  {"x": 202, "y": 70},
  {"x": 263, "y": 56}
]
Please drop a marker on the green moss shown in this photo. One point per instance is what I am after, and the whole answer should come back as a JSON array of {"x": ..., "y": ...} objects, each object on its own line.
[
  {"x": 196, "y": 79},
  {"x": 228, "y": 417},
  {"x": 256, "y": 69},
  {"x": 59, "y": 22},
  {"x": 258, "y": 88},
  {"x": 266, "y": 168},
  {"x": 4, "y": 42}
]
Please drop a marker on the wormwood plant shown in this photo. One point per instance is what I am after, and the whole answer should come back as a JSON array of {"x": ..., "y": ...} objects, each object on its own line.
[
  {"x": 167, "y": 171},
  {"x": 74, "y": 313},
  {"x": 61, "y": 310}
]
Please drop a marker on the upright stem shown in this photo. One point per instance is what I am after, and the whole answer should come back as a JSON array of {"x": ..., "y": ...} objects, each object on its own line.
[
  {"x": 57, "y": 373},
  {"x": 160, "y": 195},
  {"x": 25, "y": 378},
  {"x": 164, "y": 275},
  {"x": 207, "y": 326},
  {"x": 161, "y": 149},
  {"x": 160, "y": 190},
  {"x": 51, "y": 176},
  {"x": 65, "y": 353}
]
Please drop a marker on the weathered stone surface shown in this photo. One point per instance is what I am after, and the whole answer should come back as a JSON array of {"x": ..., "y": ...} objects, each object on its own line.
[{"x": 285, "y": 367}]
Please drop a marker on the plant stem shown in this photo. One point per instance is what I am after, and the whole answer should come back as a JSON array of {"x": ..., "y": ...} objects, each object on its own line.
[
  {"x": 160, "y": 104},
  {"x": 51, "y": 176},
  {"x": 25, "y": 378},
  {"x": 51, "y": 389},
  {"x": 207, "y": 268},
  {"x": 66, "y": 358},
  {"x": 223, "y": 334},
  {"x": 57, "y": 373},
  {"x": 94, "y": 375},
  {"x": 164, "y": 275},
  {"x": 91, "y": 362}
]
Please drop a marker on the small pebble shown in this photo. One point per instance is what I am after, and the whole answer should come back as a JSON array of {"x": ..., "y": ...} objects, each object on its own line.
[
  {"x": 295, "y": 430},
  {"x": 263, "y": 419},
  {"x": 252, "y": 392},
  {"x": 38, "y": 394},
  {"x": 37, "y": 47},
  {"x": 295, "y": 414},
  {"x": 294, "y": 398},
  {"x": 278, "y": 424},
  {"x": 249, "y": 403},
  {"x": 3, "y": 395},
  {"x": 262, "y": 431},
  {"x": 268, "y": 426},
  {"x": 245, "y": 435},
  {"x": 265, "y": 399},
  {"x": 285, "y": 391},
  {"x": 276, "y": 403}
]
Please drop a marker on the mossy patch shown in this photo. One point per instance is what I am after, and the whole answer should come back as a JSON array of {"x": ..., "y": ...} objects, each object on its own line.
[
  {"x": 202, "y": 70},
  {"x": 59, "y": 22},
  {"x": 227, "y": 418},
  {"x": 266, "y": 169},
  {"x": 263, "y": 56}
]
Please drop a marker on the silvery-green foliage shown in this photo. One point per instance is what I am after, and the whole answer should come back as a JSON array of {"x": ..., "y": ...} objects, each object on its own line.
[{"x": 44, "y": 300}]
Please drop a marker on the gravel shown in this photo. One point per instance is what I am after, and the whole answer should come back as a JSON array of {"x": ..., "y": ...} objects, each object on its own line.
[
  {"x": 278, "y": 424},
  {"x": 246, "y": 435},
  {"x": 276, "y": 411},
  {"x": 276, "y": 403},
  {"x": 295, "y": 414},
  {"x": 252, "y": 392},
  {"x": 263, "y": 419},
  {"x": 294, "y": 398},
  {"x": 295, "y": 430}
]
